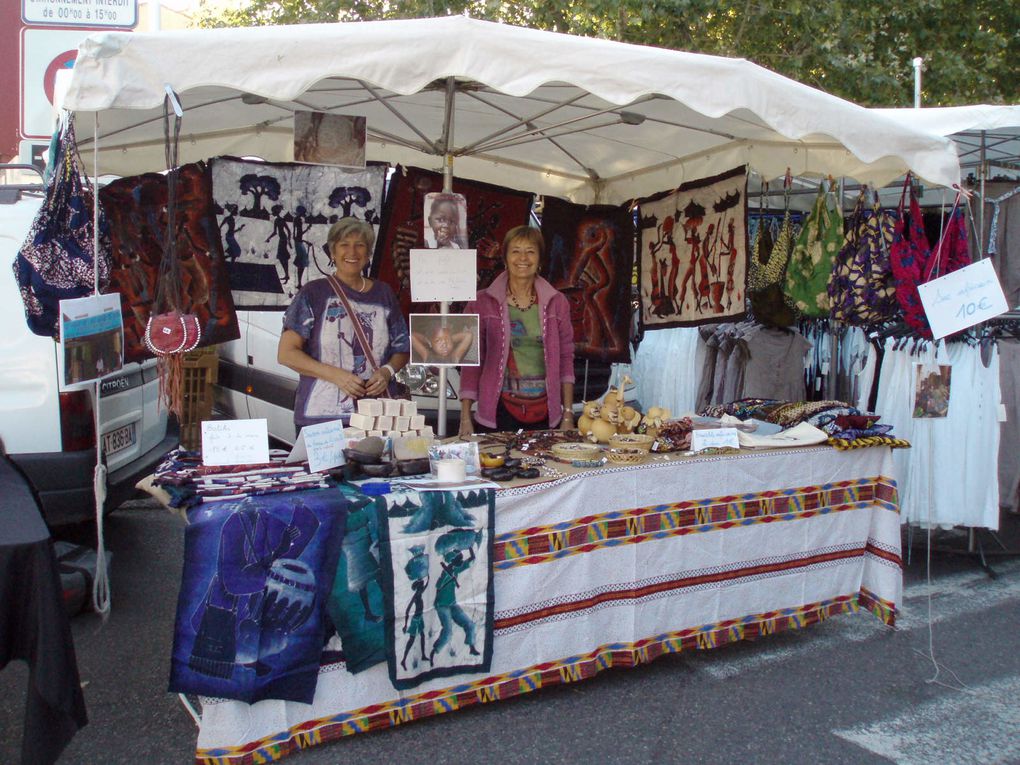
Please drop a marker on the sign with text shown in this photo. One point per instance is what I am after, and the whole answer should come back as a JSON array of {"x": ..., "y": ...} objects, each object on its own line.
[
  {"x": 322, "y": 445},
  {"x": 715, "y": 438},
  {"x": 235, "y": 442},
  {"x": 444, "y": 274},
  {"x": 963, "y": 298},
  {"x": 80, "y": 13}
]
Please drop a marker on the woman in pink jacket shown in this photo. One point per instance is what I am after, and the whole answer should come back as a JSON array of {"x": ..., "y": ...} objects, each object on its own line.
[{"x": 525, "y": 378}]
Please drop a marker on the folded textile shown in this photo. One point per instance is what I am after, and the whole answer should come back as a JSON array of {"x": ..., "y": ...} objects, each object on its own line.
[{"x": 800, "y": 435}]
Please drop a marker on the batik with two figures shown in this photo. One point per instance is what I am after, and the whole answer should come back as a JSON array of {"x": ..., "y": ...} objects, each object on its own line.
[
  {"x": 693, "y": 252},
  {"x": 590, "y": 259},
  {"x": 274, "y": 218},
  {"x": 491, "y": 212},
  {"x": 437, "y": 568},
  {"x": 251, "y": 616}
]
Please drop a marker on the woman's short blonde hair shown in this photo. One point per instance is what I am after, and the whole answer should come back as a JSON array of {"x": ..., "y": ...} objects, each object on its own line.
[
  {"x": 346, "y": 226},
  {"x": 529, "y": 234}
]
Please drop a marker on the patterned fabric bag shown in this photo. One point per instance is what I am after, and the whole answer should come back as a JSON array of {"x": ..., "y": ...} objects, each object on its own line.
[
  {"x": 862, "y": 290},
  {"x": 765, "y": 279},
  {"x": 913, "y": 261},
  {"x": 56, "y": 261},
  {"x": 810, "y": 269}
]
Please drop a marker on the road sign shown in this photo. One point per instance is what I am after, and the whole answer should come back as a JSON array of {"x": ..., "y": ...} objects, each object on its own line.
[
  {"x": 80, "y": 13},
  {"x": 43, "y": 53}
]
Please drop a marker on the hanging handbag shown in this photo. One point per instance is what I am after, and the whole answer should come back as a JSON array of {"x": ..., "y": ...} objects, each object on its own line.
[
  {"x": 862, "y": 291},
  {"x": 913, "y": 261},
  {"x": 766, "y": 277},
  {"x": 56, "y": 261},
  {"x": 810, "y": 268},
  {"x": 395, "y": 388},
  {"x": 524, "y": 409},
  {"x": 172, "y": 332}
]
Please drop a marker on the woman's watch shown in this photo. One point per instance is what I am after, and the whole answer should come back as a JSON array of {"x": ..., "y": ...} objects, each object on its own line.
[
  {"x": 568, "y": 411},
  {"x": 393, "y": 372}
]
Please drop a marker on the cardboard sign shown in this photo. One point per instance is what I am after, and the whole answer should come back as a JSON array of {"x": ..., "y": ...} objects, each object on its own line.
[
  {"x": 963, "y": 298},
  {"x": 321, "y": 444},
  {"x": 235, "y": 442},
  {"x": 444, "y": 274},
  {"x": 716, "y": 438}
]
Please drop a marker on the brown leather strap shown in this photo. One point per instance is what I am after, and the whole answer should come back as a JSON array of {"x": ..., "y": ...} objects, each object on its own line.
[{"x": 354, "y": 321}]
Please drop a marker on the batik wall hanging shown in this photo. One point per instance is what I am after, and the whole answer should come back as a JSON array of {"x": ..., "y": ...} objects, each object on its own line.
[
  {"x": 590, "y": 259},
  {"x": 251, "y": 617},
  {"x": 356, "y": 604},
  {"x": 491, "y": 212},
  {"x": 274, "y": 218},
  {"x": 136, "y": 210},
  {"x": 693, "y": 252},
  {"x": 437, "y": 568}
]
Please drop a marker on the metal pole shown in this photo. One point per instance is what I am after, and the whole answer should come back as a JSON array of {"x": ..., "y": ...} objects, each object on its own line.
[
  {"x": 444, "y": 306},
  {"x": 982, "y": 174},
  {"x": 918, "y": 64}
]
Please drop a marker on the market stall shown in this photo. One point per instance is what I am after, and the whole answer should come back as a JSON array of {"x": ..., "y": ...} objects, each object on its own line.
[
  {"x": 614, "y": 567},
  {"x": 590, "y": 567}
]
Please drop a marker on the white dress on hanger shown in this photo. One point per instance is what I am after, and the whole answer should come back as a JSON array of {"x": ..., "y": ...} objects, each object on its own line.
[{"x": 948, "y": 478}]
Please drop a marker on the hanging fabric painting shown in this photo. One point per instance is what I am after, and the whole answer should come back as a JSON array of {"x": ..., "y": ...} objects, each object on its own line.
[
  {"x": 590, "y": 258},
  {"x": 251, "y": 612},
  {"x": 136, "y": 208},
  {"x": 491, "y": 212},
  {"x": 274, "y": 218},
  {"x": 693, "y": 252}
]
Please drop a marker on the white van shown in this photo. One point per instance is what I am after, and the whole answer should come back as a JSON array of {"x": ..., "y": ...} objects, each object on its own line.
[{"x": 49, "y": 434}]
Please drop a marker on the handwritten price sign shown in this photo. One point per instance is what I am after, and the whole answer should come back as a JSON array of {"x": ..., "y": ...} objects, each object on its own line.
[
  {"x": 235, "y": 442},
  {"x": 963, "y": 298}
]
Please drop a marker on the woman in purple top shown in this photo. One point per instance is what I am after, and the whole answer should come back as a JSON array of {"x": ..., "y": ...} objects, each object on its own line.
[
  {"x": 319, "y": 340},
  {"x": 525, "y": 376}
]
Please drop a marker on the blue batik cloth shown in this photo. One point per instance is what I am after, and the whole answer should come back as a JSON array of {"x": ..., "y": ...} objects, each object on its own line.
[{"x": 251, "y": 617}]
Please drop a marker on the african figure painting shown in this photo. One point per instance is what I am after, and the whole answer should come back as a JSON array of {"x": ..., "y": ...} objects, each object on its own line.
[
  {"x": 274, "y": 218},
  {"x": 590, "y": 259},
  {"x": 693, "y": 252}
]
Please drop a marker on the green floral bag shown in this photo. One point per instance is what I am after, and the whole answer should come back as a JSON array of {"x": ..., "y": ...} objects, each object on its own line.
[{"x": 814, "y": 253}]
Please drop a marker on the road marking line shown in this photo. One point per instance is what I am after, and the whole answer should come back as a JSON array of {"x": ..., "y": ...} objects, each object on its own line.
[{"x": 978, "y": 725}]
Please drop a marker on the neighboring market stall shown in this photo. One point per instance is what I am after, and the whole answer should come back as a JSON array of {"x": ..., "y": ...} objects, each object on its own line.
[{"x": 698, "y": 549}]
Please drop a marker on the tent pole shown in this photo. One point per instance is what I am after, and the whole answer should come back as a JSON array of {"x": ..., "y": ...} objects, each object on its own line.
[
  {"x": 444, "y": 305},
  {"x": 982, "y": 173}
]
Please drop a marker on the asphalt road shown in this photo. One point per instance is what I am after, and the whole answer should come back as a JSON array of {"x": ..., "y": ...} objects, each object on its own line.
[{"x": 848, "y": 690}]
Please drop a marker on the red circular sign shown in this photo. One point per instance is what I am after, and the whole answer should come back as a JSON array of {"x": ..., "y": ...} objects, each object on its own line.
[{"x": 64, "y": 60}]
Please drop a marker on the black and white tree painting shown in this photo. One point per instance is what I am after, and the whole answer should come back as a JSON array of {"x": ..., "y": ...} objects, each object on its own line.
[{"x": 274, "y": 218}]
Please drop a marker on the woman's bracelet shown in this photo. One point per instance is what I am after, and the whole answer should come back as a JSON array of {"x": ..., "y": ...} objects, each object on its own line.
[{"x": 393, "y": 372}]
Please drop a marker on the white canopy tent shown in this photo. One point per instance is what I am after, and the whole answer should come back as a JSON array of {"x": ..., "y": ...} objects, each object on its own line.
[
  {"x": 588, "y": 119},
  {"x": 986, "y": 136}
]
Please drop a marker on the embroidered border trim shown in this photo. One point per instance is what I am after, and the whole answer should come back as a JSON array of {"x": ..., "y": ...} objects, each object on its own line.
[
  {"x": 567, "y": 670},
  {"x": 540, "y": 544}
]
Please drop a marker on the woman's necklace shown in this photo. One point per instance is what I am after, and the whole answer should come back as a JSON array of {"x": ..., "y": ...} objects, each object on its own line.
[
  {"x": 362, "y": 288},
  {"x": 515, "y": 301}
]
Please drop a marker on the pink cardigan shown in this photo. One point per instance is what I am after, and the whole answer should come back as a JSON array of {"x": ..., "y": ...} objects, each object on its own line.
[{"x": 484, "y": 382}]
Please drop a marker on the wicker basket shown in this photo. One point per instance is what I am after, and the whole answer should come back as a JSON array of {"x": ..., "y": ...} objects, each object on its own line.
[
  {"x": 631, "y": 441},
  {"x": 200, "y": 370},
  {"x": 627, "y": 455},
  {"x": 576, "y": 451}
]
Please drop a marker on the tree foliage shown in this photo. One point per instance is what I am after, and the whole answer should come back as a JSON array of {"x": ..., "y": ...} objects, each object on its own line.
[{"x": 860, "y": 50}]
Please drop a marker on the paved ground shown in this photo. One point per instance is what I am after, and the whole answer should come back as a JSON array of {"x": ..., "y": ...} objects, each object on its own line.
[{"x": 848, "y": 690}]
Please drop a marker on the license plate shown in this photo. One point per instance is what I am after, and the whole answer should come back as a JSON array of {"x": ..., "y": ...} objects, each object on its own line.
[{"x": 119, "y": 439}]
